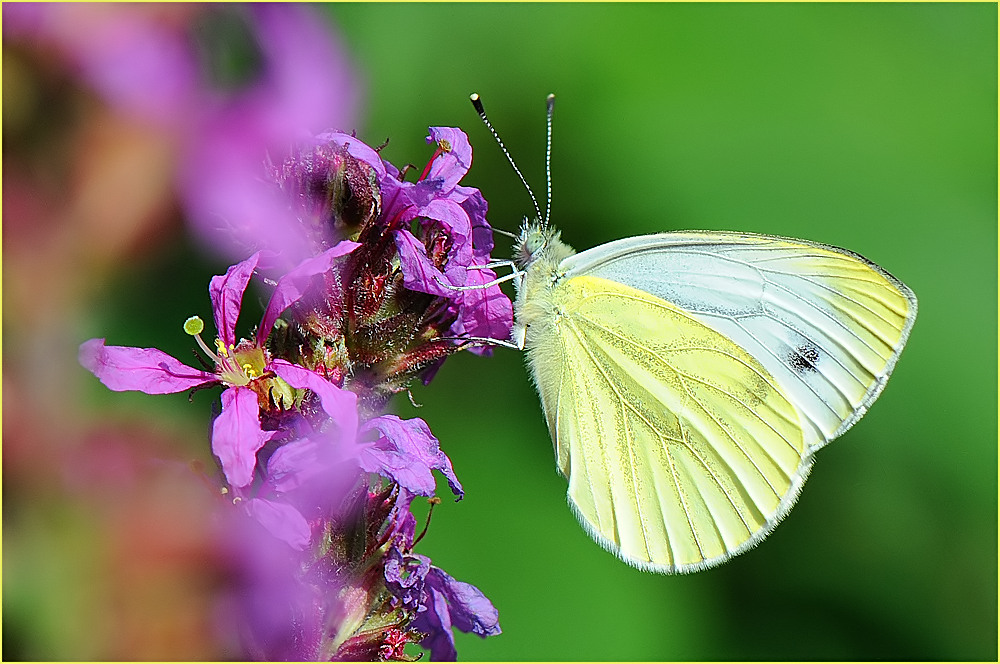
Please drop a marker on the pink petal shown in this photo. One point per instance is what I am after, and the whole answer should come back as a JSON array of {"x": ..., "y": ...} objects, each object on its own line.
[
  {"x": 341, "y": 405},
  {"x": 456, "y": 221},
  {"x": 149, "y": 370},
  {"x": 419, "y": 273},
  {"x": 226, "y": 291},
  {"x": 281, "y": 520},
  {"x": 356, "y": 149},
  {"x": 236, "y": 435},
  {"x": 406, "y": 453},
  {"x": 293, "y": 285},
  {"x": 450, "y": 166},
  {"x": 322, "y": 464},
  {"x": 483, "y": 312}
]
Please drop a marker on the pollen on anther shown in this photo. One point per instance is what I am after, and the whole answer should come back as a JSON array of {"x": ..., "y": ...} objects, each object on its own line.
[{"x": 445, "y": 145}]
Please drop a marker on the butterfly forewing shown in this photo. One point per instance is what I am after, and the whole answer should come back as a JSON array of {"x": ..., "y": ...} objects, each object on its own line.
[
  {"x": 827, "y": 324},
  {"x": 680, "y": 448}
]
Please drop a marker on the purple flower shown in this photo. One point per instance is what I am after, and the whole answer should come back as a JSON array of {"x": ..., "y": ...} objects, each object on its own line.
[
  {"x": 118, "y": 51},
  {"x": 441, "y": 603},
  {"x": 455, "y": 239},
  {"x": 244, "y": 368},
  {"x": 405, "y": 453},
  {"x": 324, "y": 480},
  {"x": 449, "y": 603},
  {"x": 144, "y": 61},
  {"x": 404, "y": 577},
  {"x": 305, "y": 85}
]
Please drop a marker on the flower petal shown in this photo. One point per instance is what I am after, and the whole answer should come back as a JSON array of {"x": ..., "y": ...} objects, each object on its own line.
[
  {"x": 456, "y": 221},
  {"x": 406, "y": 453},
  {"x": 452, "y": 164},
  {"x": 236, "y": 435},
  {"x": 470, "y": 610},
  {"x": 355, "y": 148},
  {"x": 472, "y": 201},
  {"x": 302, "y": 461},
  {"x": 149, "y": 370},
  {"x": 293, "y": 285},
  {"x": 281, "y": 520},
  {"x": 419, "y": 273},
  {"x": 341, "y": 405},
  {"x": 435, "y": 622},
  {"x": 226, "y": 291},
  {"x": 404, "y": 577},
  {"x": 483, "y": 312}
]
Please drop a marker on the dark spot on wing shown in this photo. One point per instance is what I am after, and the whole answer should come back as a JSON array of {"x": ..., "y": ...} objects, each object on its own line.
[{"x": 804, "y": 358}]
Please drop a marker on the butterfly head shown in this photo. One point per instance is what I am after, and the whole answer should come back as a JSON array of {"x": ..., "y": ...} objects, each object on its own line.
[{"x": 539, "y": 242}]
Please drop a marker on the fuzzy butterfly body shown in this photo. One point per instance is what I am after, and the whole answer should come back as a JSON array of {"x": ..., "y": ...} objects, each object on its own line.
[{"x": 688, "y": 378}]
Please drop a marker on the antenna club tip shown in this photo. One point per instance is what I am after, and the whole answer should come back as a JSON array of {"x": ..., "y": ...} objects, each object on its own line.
[
  {"x": 474, "y": 96},
  {"x": 551, "y": 97}
]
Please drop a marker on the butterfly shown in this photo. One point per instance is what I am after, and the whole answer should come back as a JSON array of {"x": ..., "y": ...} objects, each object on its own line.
[{"x": 688, "y": 378}]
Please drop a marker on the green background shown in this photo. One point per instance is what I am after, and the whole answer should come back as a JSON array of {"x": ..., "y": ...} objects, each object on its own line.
[{"x": 872, "y": 127}]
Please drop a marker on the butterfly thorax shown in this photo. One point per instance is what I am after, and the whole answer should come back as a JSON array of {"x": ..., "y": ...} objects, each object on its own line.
[{"x": 538, "y": 255}]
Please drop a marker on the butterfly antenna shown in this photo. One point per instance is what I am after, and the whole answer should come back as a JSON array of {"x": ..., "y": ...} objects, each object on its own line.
[
  {"x": 550, "y": 103},
  {"x": 478, "y": 104}
]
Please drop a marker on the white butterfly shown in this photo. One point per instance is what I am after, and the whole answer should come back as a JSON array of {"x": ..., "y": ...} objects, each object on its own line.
[{"x": 689, "y": 378}]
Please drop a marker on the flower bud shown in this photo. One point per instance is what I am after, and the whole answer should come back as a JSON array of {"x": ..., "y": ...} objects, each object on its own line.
[{"x": 332, "y": 193}]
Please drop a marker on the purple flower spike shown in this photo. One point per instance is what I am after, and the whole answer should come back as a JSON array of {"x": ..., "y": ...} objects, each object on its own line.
[
  {"x": 405, "y": 453},
  {"x": 148, "y": 370},
  {"x": 319, "y": 538}
]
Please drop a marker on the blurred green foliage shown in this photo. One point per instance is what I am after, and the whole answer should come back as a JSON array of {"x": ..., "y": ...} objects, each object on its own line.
[{"x": 868, "y": 126}]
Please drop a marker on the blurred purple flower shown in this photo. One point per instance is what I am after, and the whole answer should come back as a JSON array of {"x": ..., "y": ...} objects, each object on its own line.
[
  {"x": 146, "y": 62},
  {"x": 138, "y": 60},
  {"x": 305, "y": 84},
  {"x": 279, "y": 612}
]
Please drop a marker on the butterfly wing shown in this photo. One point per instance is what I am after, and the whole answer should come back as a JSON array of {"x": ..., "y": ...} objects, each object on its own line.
[
  {"x": 680, "y": 448},
  {"x": 826, "y": 323}
]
